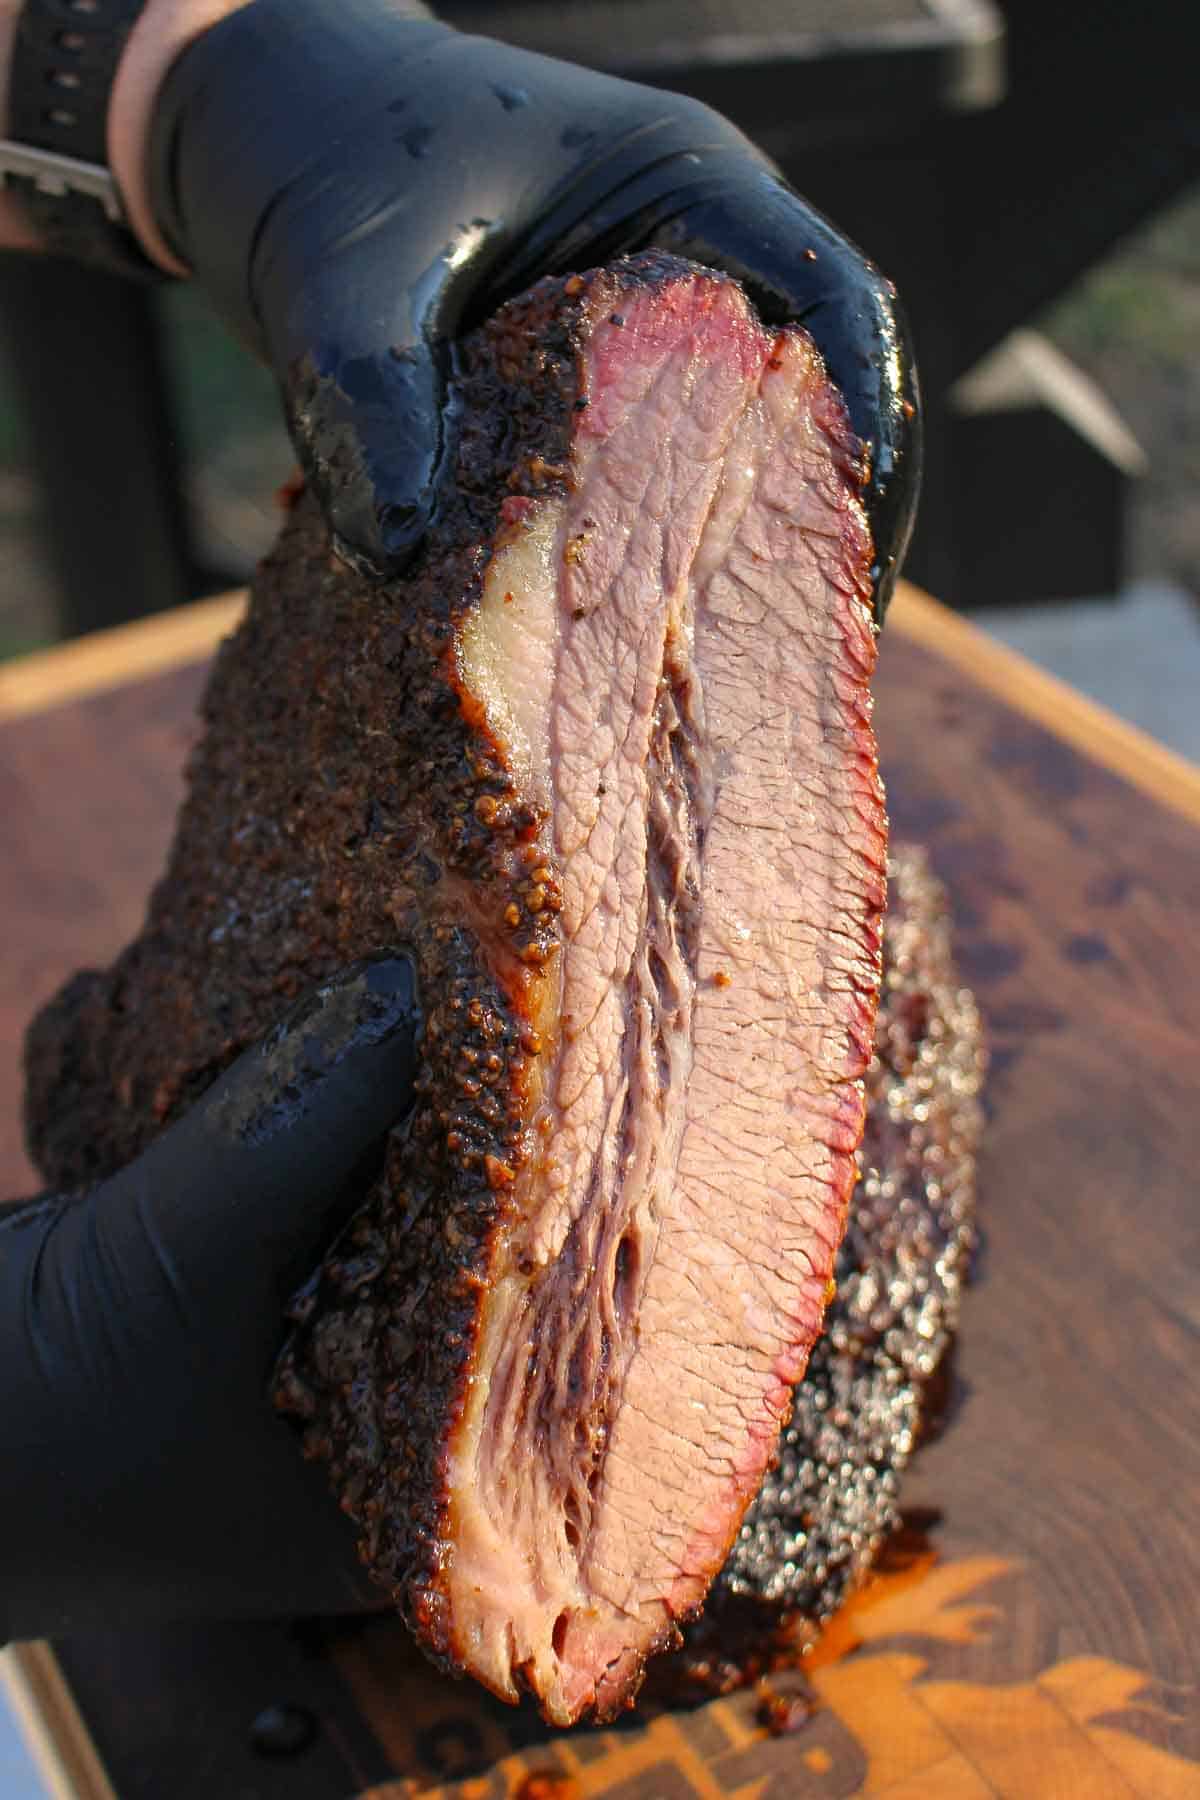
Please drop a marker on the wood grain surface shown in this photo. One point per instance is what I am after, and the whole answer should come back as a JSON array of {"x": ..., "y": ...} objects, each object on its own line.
[{"x": 1036, "y": 1632}]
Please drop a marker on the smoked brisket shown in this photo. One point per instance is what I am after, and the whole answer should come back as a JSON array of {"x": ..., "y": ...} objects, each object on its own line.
[{"x": 603, "y": 758}]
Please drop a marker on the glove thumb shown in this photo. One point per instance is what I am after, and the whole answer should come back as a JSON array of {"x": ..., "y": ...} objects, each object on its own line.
[{"x": 241, "y": 1196}]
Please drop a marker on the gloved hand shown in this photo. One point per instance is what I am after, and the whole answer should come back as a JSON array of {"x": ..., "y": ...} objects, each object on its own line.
[
  {"x": 353, "y": 184},
  {"x": 145, "y": 1474}
]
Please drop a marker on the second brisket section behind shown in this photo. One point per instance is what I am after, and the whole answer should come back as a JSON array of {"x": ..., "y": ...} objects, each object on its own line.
[{"x": 605, "y": 759}]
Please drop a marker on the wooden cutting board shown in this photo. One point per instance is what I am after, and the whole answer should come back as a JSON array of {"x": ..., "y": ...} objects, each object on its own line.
[{"x": 1036, "y": 1631}]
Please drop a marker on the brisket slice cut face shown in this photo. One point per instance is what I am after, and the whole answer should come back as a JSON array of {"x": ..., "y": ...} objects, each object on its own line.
[
  {"x": 880, "y": 1381},
  {"x": 604, "y": 758}
]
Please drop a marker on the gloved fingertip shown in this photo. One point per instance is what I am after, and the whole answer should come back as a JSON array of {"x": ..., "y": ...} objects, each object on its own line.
[
  {"x": 393, "y": 976},
  {"x": 277, "y": 1146},
  {"x": 402, "y": 525},
  {"x": 378, "y": 543},
  {"x": 368, "y": 428},
  {"x": 333, "y": 1074},
  {"x": 883, "y": 585},
  {"x": 369, "y": 1003}
]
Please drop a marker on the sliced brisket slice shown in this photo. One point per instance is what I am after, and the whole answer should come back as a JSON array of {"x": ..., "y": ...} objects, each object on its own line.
[
  {"x": 879, "y": 1382},
  {"x": 605, "y": 759}
]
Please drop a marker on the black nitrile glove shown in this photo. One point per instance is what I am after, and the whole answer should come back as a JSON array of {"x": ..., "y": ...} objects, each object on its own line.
[
  {"x": 353, "y": 186},
  {"x": 144, "y": 1473}
]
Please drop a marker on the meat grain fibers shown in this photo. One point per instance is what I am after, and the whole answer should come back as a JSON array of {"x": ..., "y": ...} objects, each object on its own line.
[
  {"x": 604, "y": 758},
  {"x": 878, "y": 1382}
]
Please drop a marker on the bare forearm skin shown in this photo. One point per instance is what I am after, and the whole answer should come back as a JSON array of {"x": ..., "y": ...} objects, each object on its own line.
[{"x": 159, "y": 35}]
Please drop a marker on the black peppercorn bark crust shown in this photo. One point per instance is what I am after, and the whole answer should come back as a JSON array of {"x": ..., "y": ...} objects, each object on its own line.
[
  {"x": 343, "y": 780},
  {"x": 604, "y": 760}
]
